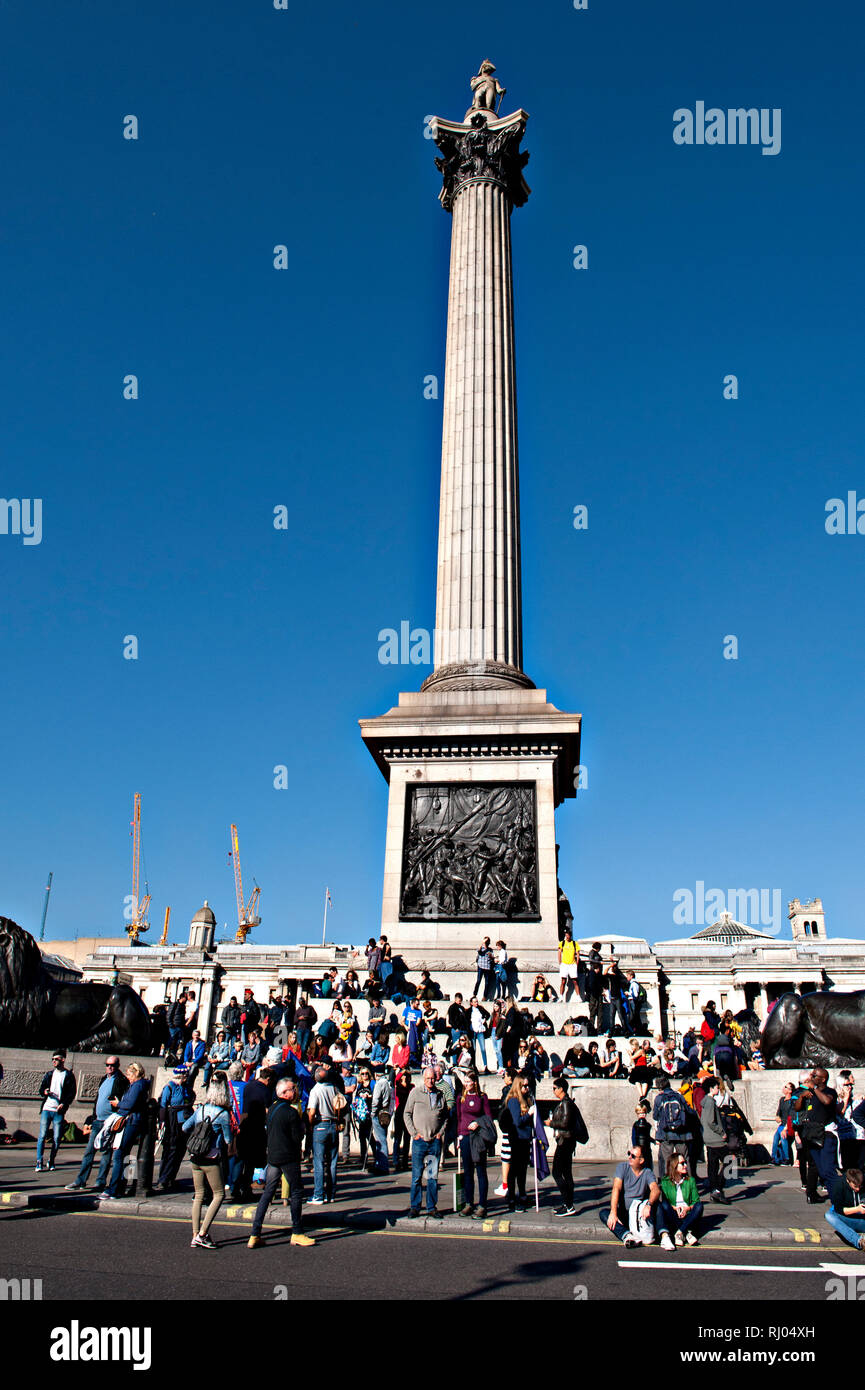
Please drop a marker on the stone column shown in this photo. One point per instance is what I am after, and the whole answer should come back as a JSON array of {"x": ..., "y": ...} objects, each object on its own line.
[{"x": 478, "y": 588}]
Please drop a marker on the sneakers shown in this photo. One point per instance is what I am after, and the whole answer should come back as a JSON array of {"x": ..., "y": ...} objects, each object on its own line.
[
  {"x": 691, "y": 1239},
  {"x": 435, "y": 1214},
  {"x": 678, "y": 1240},
  {"x": 499, "y": 1192},
  {"x": 565, "y": 1211},
  {"x": 107, "y": 1197},
  {"x": 666, "y": 1243},
  {"x": 38, "y": 1168},
  {"x": 480, "y": 1214},
  {"x": 254, "y": 1242},
  {"x": 316, "y": 1202},
  {"x": 203, "y": 1242},
  {"x": 298, "y": 1238},
  {"x": 75, "y": 1187},
  {"x": 467, "y": 1209}
]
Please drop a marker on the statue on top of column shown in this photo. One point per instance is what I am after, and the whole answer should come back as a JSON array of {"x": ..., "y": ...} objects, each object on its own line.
[{"x": 487, "y": 89}]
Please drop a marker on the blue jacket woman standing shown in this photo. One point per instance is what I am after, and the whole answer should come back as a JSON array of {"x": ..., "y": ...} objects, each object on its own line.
[{"x": 132, "y": 1108}]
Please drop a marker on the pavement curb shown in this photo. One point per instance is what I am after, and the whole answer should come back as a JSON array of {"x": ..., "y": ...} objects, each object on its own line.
[{"x": 502, "y": 1224}]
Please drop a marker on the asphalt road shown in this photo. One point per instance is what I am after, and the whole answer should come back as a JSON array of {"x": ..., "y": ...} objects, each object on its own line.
[{"x": 100, "y": 1257}]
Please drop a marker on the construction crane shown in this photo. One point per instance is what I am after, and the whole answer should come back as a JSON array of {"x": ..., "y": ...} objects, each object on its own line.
[
  {"x": 164, "y": 937},
  {"x": 246, "y": 912},
  {"x": 139, "y": 921}
]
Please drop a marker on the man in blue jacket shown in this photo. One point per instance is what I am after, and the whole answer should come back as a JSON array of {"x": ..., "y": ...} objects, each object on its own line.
[{"x": 112, "y": 1087}]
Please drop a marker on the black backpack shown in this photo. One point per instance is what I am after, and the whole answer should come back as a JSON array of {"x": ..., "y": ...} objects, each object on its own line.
[
  {"x": 202, "y": 1139},
  {"x": 673, "y": 1116}
]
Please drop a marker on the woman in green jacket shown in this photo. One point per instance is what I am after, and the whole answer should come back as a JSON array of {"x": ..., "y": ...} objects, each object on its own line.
[{"x": 680, "y": 1208}]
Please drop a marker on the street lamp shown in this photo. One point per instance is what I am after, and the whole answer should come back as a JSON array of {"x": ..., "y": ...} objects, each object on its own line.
[{"x": 675, "y": 1034}]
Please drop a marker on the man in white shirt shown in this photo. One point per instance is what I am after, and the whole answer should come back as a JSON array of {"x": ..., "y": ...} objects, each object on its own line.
[{"x": 58, "y": 1092}]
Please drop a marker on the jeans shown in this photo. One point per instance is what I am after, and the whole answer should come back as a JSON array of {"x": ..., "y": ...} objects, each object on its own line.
[
  {"x": 821, "y": 1162},
  {"x": 325, "y": 1152},
  {"x": 293, "y": 1176},
  {"x": 480, "y": 1046},
  {"x": 497, "y": 1049},
  {"x": 670, "y": 1221},
  {"x": 173, "y": 1147},
  {"x": 120, "y": 1155},
  {"x": 364, "y": 1131},
  {"x": 89, "y": 1156},
  {"x": 379, "y": 1146},
  {"x": 501, "y": 981},
  {"x": 425, "y": 1155},
  {"x": 386, "y": 970},
  {"x": 641, "y": 1229},
  {"x": 563, "y": 1169},
  {"x": 849, "y": 1228},
  {"x": 470, "y": 1167},
  {"x": 781, "y": 1146},
  {"x": 520, "y": 1149},
  {"x": 617, "y": 1007},
  {"x": 400, "y": 1140},
  {"x": 175, "y": 1041},
  {"x": 55, "y": 1119}
]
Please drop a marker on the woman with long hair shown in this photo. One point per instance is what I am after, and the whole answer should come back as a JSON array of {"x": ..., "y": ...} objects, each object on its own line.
[
  {"x": 471, "y": 1106},
  {"x": 497, "y": 1027},
  {"x": 401, "y": 1091},
  {"x": 208, "y": 1167},
  {"x": 680, "y": 1205},
  {"x": 400, "y": 1051},
  {"x": 130, "y": 1112},
  {"x": 518, "y": 1118},
  {"x": 513, "y": 1031}
]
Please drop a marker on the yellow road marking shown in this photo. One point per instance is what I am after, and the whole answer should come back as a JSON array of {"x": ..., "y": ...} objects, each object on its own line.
[{"x": 434, "y": 1235}]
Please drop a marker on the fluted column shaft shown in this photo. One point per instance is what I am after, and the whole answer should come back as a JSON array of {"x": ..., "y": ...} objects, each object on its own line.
[{"x": 478, "y": 596}]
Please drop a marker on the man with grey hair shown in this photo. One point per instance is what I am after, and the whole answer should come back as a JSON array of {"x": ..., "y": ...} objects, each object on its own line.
[
  {"x": 113, "y": 1086},
  {"x": 324, "y": 1109},
  {"x": 284, "y": 1152},
  {"x": 425, "y": 1116}
]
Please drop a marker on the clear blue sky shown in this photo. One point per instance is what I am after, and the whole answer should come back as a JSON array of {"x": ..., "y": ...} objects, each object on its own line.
[{"x": 304, "y": 388}]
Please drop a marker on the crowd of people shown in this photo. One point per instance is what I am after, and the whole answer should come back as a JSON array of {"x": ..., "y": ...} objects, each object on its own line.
[
  {"x": 247, "y": 1137},
  {"x": 285, "y": 1090}
]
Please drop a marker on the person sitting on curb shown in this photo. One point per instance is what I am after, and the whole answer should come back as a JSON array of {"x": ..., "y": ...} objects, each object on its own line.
[
  {"x": 846, "y": 1215},
  {"x": 634, "y": 1198},
  {"x": 680, "y": 1207}
]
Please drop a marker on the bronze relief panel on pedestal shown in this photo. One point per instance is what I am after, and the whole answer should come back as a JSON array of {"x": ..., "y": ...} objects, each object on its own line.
[{"x": 470, "y": 853}]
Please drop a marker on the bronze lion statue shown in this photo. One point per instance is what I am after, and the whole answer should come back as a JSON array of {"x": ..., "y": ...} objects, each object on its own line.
[
  {"x": 821, "y": 1029},
  {"x": 39, "y": 1011}
]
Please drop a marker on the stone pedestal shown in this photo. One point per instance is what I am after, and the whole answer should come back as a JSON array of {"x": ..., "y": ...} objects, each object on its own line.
[{"x": 472, "y": 740}]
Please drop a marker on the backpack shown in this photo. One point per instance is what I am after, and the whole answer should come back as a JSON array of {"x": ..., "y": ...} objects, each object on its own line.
[
  {"x": 673, "y": 1116},
  {"x": 641, "y": 996},
  {"x": 202, "y": 1139},
  {"x": 360, "y": 1106},
  {"x": 707, "y": 1031}
]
